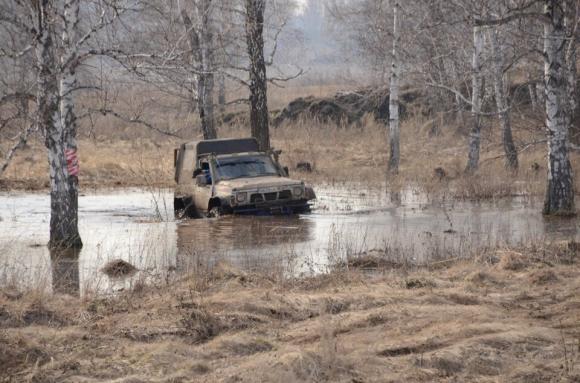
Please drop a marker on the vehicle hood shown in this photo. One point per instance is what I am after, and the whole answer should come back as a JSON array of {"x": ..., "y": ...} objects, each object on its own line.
[{"x": 257, "y": 182}]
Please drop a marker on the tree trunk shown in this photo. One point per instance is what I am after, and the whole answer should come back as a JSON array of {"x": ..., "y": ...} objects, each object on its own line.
[
  {"x": 571, "y": 56},
  {"x": 511, "y": 153},
  {"x": 258, "y": 86},
  {"x": 476, "y": 97},
  {"x": 532, "y": 92},
  {"x": 541, "y": 92},
  {"x": 63, "y": 186},
  {"x": 222, "y": 93},
  {"x": 560, "y": 188},
  {"x": 206, "y": 77},
  {"x": 202, "y": 65},
  {"x": 394, "y": 132}
]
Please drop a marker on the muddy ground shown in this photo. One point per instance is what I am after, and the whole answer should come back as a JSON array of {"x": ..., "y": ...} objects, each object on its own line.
[{"x": 509, "y": 316}]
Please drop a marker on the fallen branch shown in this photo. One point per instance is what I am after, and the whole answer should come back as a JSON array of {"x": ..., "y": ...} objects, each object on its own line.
[{"x": 523, "y": 149}]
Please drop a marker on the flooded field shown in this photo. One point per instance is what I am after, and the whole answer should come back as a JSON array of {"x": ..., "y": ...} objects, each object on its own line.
[{"x": 138, "y": 226}]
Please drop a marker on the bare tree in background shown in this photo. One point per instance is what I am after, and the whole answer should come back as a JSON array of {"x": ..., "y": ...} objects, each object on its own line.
[
  {"x": 201, "y": 43},
  {"x": 258, "y": 82},
  {"x": 501, "y": 100},
  {"x": 559, "y": 197},
  {"x": 476, "y": 99},
  {"x": 394, "y": 133}
]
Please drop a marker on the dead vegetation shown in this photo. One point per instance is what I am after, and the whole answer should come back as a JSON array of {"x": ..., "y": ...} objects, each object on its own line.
[
  {"x": 118, "y": 268},
  {"x": 433, "y": 150},
  {"x": 510, "y": 315}
]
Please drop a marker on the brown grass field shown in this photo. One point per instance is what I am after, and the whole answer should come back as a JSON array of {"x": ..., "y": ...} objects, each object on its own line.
[
  {"x": 508, "y": 316},
  {"x": 338, "y": 154}
]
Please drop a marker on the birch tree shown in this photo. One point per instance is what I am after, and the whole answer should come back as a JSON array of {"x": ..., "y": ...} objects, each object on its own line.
[
  {"x": 559, "y": 197},
  {"x": 394, "y": 133},
  {"x": 476, "y": 99},
  {"x": 571, "y": 19},
  {"x": 257, "y": 72},
  {"x": 57, "y": 61},
  {"x": 59, "y": 140},
  {"x": 501, "y": 101},
  {"x": 201, "y": 43}
]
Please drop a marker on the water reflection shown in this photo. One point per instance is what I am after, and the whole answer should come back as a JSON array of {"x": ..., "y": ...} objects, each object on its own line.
[
  {"x": 247, "y": 241},
  {"x": 348, "y": 221},
  {"x": 561, "y": 228},
  {"x": 65, "y": 271}
]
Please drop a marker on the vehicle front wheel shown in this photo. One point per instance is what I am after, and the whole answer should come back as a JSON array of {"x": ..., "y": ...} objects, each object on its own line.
[
  {"x": 215, "y": 212},
  {"x": 184, "y": 208}
]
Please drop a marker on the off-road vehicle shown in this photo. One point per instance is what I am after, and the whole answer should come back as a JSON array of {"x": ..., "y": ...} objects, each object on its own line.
[{"x": 232, "y": 176}]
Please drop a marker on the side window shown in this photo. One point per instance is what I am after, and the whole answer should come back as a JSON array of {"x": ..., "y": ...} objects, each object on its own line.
[{"x": 206, "y": 171}]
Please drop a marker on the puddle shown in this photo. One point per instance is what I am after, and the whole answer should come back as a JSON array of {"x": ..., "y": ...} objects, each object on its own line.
[{"x": 138, "y": 227}]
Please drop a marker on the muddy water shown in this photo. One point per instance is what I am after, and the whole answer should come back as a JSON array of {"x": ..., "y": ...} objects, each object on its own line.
[{"x": 138, "y": 227}]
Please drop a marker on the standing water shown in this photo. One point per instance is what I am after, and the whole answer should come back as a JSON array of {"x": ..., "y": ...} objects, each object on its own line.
[{"x": 138, "y": 227}]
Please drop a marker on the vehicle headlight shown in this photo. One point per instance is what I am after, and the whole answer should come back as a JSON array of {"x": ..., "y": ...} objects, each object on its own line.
[
  {"x": 297, "y": 191},
  {"x": 241, "y": 197}
]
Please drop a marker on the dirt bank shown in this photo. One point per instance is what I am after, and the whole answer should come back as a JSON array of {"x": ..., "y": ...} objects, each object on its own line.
[
  {"x": 509, "y": 316},
  {"x": 345, "y": 107}
]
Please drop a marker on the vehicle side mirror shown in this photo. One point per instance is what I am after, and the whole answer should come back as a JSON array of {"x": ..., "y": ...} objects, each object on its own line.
[
  {"x": 201, "y": 180},
  {"x": 197, "y": 172}
]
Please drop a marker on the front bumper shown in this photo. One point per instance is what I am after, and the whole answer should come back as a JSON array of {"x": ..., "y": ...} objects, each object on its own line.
[{"x": 277, "y": 208}]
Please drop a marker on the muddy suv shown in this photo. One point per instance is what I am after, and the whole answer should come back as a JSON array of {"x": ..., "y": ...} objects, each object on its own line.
[{"x": 231, "y": 176}]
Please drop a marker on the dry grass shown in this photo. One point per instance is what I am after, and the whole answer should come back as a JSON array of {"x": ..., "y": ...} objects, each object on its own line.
[
  {"x": 432, "y": 162},
  {"x": 476, "y": 321}
]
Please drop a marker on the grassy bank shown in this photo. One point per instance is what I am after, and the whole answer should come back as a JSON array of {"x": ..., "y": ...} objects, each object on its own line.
[
  {"x": 433, "y": 163},
  {"x": 506, "y": 316}
]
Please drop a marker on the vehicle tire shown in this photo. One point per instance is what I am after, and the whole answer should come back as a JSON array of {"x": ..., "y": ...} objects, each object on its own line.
[
  {"x": 186, "y": 209},
  {"x": 214, "y": 212}
]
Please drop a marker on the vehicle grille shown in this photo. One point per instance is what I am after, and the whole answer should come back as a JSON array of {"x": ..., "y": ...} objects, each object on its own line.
[
  {"x": 285, "y": 194},
  {"x": 256, "y": 198},
  {"x": 272, "y": 196}
]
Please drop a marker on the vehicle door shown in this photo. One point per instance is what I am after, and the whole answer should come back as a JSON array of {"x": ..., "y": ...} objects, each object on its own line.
[{"x": 203, "y": 191}]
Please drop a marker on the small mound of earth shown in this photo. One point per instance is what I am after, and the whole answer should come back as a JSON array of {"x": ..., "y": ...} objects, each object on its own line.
[
  {"x": 511, "y": 260},
  {"x": 346, "y": 107},
  {"x": 480, "y": 278},
  {"x": 542, "y": 277},
  {"x": 118, "y": 268}
]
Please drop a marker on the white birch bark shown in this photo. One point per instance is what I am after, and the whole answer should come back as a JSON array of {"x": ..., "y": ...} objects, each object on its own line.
[
  {"x": 559, "y": 197},
  {"x": 202, "y": 69},
  {"x": 499, "y": 85},
  {"x": 394, "y": 131},
  {"x": 63, "y": 202},
  {"x": 476, "y": 100},
  {"x": 541, "y": 93},
  {"x": 532, "y": 92},
  {"x": 570, "y": 20}
]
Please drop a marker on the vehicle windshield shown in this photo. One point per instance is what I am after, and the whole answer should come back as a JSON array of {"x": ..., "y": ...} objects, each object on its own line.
[{"x": 247, "y": 166}]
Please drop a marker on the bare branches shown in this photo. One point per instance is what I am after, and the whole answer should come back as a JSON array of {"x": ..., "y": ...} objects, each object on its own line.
[
  {"x": 135, "y": 119},
  {"x": 274, "y": 80},
  {"x": 19, "y": 144}
]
